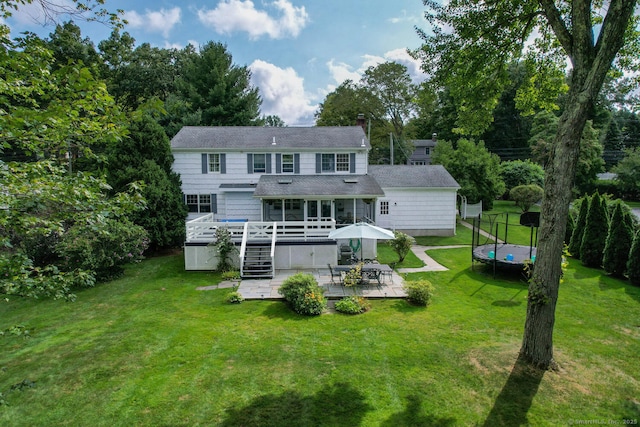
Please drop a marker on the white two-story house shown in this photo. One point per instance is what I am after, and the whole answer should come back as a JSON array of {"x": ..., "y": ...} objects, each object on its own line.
[{"x": 281, "y": 188}]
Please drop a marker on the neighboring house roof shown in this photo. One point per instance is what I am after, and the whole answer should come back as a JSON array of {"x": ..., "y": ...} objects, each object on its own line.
[
  {"x": 404, "y": 176},
  {"x": 262, "y": 138},
  {"x": 607, "y": 176},
  {"x": 424, "y": 142},
  {"x": 359, "y": 186}
]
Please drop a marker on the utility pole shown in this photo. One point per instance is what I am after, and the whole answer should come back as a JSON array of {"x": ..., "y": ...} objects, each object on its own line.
[{"x": 391, "y": 146}]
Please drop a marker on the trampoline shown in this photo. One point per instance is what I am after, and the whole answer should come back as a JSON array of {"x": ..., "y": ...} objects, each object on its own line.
[
  {"x": 505, "y": 255},
  {"x": 495, "y": 249}
]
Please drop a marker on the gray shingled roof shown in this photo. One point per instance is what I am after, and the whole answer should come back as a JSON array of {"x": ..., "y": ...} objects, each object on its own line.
[
  {"x": 424, "y": 143},
  {"x": 359, "y": 186},
  {"x": 254, "y": 137},
  {"x": 402, "y": 176}
]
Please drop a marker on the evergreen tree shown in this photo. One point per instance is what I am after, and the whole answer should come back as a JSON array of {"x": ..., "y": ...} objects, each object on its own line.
[
  {"x": 633, "y": 264},
  {"x": 619, "y": 240},
  {"x": 146, "y": 156},
  {"x": 571, "y": 224},
  {"x": 595, "y": 233},
  {"x": 211, "y": 83},
  {"x": 578, "y": 230}
]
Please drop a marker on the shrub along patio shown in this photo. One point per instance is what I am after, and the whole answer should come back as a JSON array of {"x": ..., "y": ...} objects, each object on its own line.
[{"x": 148, "y": 349}]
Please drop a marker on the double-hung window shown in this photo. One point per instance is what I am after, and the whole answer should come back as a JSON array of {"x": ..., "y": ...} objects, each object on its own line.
[
  {"x": 199, "y": 203},
  {"x": 288, "y": 163},
  {"x": 328, "y": 163},
  {"x": 342, "y": 162},
  {"x": 214, "y": 162},
  {"x": 259, "y": 163}
]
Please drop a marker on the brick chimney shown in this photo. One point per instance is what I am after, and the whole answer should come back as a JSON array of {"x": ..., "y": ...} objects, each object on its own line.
[{"x": 360, "y": 121}]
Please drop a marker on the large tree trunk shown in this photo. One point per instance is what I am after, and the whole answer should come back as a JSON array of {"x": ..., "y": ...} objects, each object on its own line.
[
  {"x": 591, "y": 63},
  {"x": 537, "y": 343}
]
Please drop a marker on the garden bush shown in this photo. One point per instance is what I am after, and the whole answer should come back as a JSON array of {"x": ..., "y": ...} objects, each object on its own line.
[
  {"x": 352, "y": 305},
  {"x": 234, "y": 297},
  {"x": 303, "y": 294},
  {"x": 102, "y": 248},
  {"x": 519, "y": 172},
  {"x": 230, "y": 275},
  {"x": 419, "y": 292},
  {"x": 526, "y": 196},
  {"x": 225, "y": 249},
  {"x": 401, "y": 244}
]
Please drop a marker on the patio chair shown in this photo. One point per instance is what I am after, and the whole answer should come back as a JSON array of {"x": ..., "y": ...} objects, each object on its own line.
[
  {"x": 389, "y": 274},
  {"x": 335, "y": 274}
]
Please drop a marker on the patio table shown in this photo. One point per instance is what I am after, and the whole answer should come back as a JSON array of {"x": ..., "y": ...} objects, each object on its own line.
[{"x": 378, "y": 271}]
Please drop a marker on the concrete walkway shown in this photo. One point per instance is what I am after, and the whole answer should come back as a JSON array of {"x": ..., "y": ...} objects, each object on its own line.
[
  {"x": 429, "y": 263},
  {"x": 482, "y": 232}
]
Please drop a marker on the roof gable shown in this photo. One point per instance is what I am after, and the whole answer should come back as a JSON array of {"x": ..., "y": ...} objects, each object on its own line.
[{"x": 270, "y": 138}]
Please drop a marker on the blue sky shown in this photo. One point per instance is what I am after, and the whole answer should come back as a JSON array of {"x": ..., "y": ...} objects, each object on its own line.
[{"x": 298, "y": 50}]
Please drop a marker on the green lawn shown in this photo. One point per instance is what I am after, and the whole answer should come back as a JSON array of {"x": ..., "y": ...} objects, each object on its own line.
[
  {"x": 463, "y": 237},
  {"x": 150, "y": 350}
]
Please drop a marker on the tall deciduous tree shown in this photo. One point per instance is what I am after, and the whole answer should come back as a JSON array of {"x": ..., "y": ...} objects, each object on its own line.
[
  {"x": 469, "y": 47},
  {"x": 67, "y": 44},
  {"x": 390, "y": 83},
  {"x": 628, "y": 173},
  {"x": 474, "y": 168},
  {"x": 48, "y": 113},
  {"x": 342, "y": 107},
  {"x": 590, "y": 160}
]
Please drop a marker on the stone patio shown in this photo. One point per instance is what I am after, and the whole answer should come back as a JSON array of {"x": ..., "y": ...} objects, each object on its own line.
[{"x": 268, "y": 288}]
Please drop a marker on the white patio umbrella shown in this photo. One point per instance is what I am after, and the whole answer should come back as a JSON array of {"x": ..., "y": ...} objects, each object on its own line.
[{"x": 361, "y": 230}]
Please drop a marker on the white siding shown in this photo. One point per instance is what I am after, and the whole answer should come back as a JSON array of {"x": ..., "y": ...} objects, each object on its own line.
[
  {"x": 189, "y": 166},
  {"x": 241, "y": 206},
  {"x": 419, "y": 211}
]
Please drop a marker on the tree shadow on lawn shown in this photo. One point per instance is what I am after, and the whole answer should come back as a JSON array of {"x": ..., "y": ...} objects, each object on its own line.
[
  {"x": 513, "y": 403},
  {"x": 506, "y": 281},
  {"x": 606, "y": 283},
  {"x": 411, "y": 416},
  {"x": 340, "y": 404}
]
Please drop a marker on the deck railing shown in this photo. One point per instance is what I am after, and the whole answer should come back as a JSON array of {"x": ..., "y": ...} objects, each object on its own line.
[{"x": 203, "y": 230}]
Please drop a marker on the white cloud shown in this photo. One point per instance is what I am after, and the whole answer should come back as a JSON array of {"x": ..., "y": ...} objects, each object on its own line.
[
  {"x": 282, "y": 92},
  {"x": 341, "y": 71},
  {"x": 158, "y": 21},
  {"x": 231, "y": 16},
  {"x": 404, "y": 18},
  {"x": 401, "y": 56}
]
